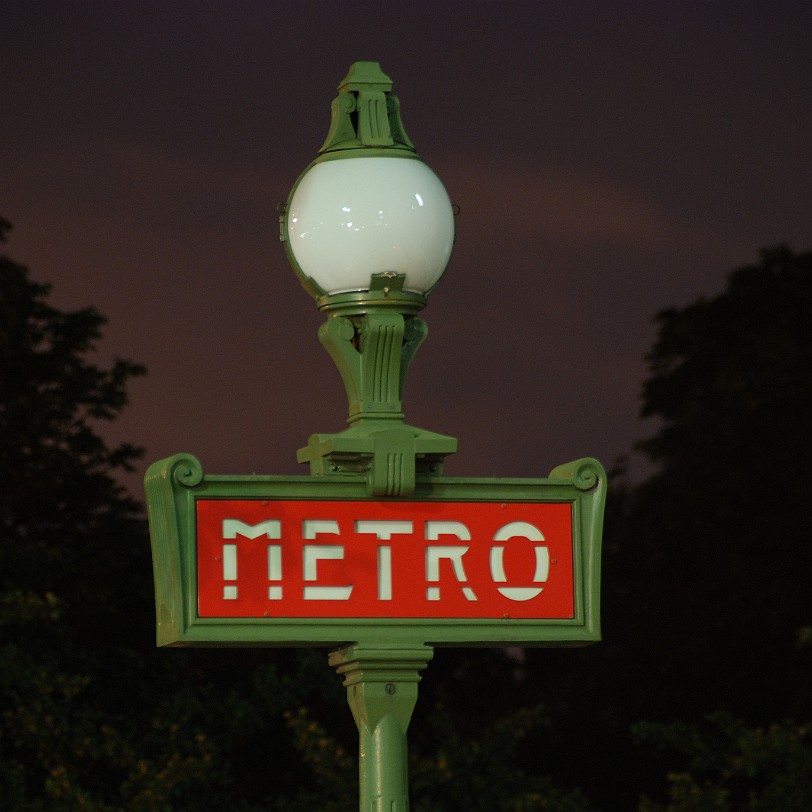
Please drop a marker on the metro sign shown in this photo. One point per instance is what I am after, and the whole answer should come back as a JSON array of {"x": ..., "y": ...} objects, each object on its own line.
[
  {"x": 262, "y": 558},
  {"x": 301, "y": 560}
]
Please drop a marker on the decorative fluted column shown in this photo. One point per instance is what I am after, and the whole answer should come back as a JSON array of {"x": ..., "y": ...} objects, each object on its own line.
[{"x": 382, "y": 691}]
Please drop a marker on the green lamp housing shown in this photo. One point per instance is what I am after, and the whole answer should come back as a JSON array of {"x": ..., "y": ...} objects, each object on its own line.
[{"x": 369, "y": 229}]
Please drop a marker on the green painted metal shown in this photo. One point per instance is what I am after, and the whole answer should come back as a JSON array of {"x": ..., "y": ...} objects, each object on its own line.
[
  {"x": 173, "y": 485},
  {"x": 382, "y": 692},
  {"x": 373, "y": 350},
  {"x": 365, "y": 114}
]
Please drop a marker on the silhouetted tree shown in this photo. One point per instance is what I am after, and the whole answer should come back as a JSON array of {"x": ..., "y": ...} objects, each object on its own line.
[
  {"x": 70, "y": 561},
  {"x": 724, "y": 526}
]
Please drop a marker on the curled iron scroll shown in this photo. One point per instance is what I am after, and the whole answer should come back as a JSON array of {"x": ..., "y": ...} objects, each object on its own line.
[
  {"x": 584, "y": 474},
  {"x": 186, "y": 470}
]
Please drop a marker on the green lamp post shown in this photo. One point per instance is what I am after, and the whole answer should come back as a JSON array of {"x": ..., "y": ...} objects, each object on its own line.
[
  {"x": 375, "y": 554},
  {"x": 369, "y": 228}
]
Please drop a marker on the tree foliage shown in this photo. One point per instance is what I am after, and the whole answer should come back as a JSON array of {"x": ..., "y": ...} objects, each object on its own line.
[
  {"x": 59, "y": 492},
  {"x": 729, "y": 766},
  {"x": 720, "y": 535},
  {"x": 68, "y": 544},
  {"x": 722, "y": 525}
]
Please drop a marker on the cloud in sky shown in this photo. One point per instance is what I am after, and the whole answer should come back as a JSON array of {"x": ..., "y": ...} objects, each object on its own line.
[{"x": 526, "y": 199}]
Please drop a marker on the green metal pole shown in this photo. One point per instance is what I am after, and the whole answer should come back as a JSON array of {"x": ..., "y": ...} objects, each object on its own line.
[{"x": 382, "y": 691}]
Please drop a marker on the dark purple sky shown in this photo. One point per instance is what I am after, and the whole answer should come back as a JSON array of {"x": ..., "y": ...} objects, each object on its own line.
[{"x": 610, "y": 159}]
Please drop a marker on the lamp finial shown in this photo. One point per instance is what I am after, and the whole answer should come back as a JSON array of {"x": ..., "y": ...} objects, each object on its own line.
[{"x": 365, "y": 114}]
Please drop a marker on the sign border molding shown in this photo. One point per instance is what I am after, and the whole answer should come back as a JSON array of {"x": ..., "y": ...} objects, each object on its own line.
[{"x": 174, "y": 485}]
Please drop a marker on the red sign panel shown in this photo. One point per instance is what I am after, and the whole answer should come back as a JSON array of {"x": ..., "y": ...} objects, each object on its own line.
[{"x": 358, "y": 559}]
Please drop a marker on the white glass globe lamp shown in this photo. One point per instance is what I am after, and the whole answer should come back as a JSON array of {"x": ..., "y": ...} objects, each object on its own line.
[{"x": 350, "y": 218}]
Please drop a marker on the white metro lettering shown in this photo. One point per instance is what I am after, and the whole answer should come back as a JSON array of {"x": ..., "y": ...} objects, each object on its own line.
[
  {"x": 528, "y": 531},
  {"x": 232, "y": 528},
  {"x": 447, "y": 562},
  {"x": 313, "y": 553},
  {"x": 435, "y": 553},
  {"x": 384, "y": 530}
]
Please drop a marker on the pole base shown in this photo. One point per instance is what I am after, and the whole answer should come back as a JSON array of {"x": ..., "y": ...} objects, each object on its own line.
[{"x": 382, "y": 692}]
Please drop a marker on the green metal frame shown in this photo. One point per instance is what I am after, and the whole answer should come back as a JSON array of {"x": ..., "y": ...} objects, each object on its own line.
[{"x": 175, "y": 484}]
